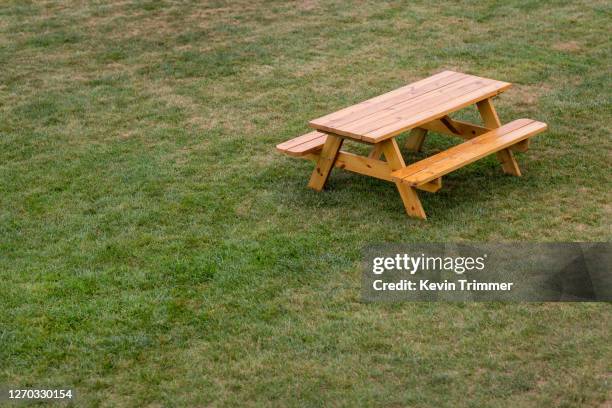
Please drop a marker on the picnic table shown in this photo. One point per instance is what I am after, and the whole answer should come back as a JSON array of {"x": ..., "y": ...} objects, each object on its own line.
[{"x": 418, "y": 107}]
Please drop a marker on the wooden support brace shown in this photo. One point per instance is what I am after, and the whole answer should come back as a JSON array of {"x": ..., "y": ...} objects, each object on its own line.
[
  {"x": 521, "y": 146},
  {"x": 363, "y": 165},
  {"x": 431, "y": 186},
  {"x": 461, "y": 129},
  {"x": 448, "y": 122},
  {"x": 371, "y": 167},
  {"x": 357, "y": 164}
]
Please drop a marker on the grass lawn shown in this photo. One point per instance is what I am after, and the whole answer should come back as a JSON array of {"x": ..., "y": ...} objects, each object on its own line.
[{"x": 155, "y": 249}]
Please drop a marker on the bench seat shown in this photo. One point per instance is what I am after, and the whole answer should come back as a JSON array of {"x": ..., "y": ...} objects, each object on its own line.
[
  {"x": 468, "y": 152},
  {"x": 303, "y": 145}
]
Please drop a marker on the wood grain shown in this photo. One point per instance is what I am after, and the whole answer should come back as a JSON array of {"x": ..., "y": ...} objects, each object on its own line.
[
  {"x": 468, "y": 152},
  {"x": 303, "y": 145},
  {"x": 408, "y": 107},
  {"x": 324, "y": 165}
]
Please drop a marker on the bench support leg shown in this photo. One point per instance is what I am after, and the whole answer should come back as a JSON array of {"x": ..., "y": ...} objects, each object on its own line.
[
  {"x": 325, "y": 163},
  {"x": 409, "y": 195},
  {"x": 375, "y": 152},
  {"x": 491, "y": 121},
  {"x": 415, "y": 140},
  {"x": 508, "y": 162}
]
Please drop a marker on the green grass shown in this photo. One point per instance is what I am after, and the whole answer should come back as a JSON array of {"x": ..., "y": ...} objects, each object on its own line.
[{"x": 155, "y": 250}]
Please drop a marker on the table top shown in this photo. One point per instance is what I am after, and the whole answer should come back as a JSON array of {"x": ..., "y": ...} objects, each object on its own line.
[{"x": 408, "y": 107}]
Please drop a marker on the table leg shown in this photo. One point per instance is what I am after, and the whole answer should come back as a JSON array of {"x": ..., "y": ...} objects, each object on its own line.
[
  {"x": 375, "y": 152},
  {"x": 415, "y": 140},
  {"x": 325, "y": 163},
  {"x": 409, "y": 195},
  {"x": 491, "y": 120}
]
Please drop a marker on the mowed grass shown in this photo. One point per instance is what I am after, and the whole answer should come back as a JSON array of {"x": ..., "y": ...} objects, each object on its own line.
[{"x": 155, "y": 250}]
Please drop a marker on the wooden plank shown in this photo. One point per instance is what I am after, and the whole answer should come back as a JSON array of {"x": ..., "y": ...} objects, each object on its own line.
[
  {"x": 393, "y": 155},
  {"x": 405, "y": 122},
  {"x": 405, "y": 91},
  {"x": 320, "y": 174},
  {"x": 415, "y": 140},
  {"x": 412, "y": 106},
  {"x": 358, "y": 164},
  {"x": 491, "y": 120},
  {"x": 299, "y": 140},
  {"x": 468, "y": 152},
  {"x": 371, "y": 167},
  {"x": 355, "y": 121},
  {"x": 409, "y": 196},
  {"x": 377, "y": 169},
  {"x": 364, "y": 165},
  {"x": 306, "y": 147},
  {"x": 373, "y": 110},
  {"x": 422, "y": 164},
  {"x": 488, "y": 113},
  {"x": 496, "y": 133}
]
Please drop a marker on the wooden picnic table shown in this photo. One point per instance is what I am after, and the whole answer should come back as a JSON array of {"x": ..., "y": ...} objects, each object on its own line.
[{"x": 418, "y": 107}]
